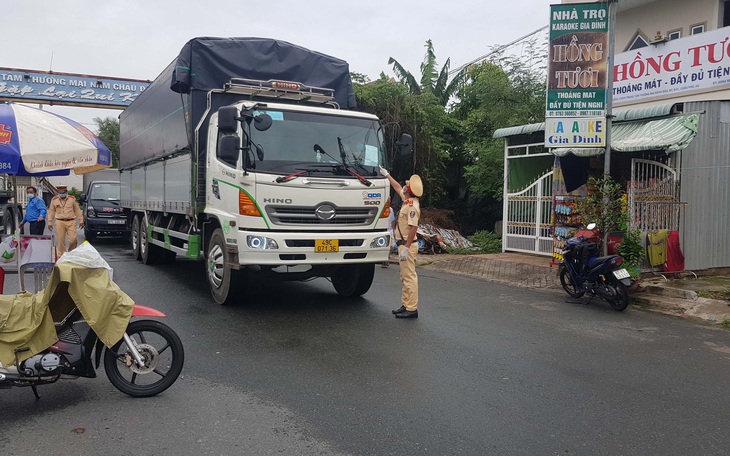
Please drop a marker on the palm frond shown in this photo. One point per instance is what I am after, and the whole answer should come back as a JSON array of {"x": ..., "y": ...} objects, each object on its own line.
[
  {"x": 404, "y": 76},
  {"x": 428, "y": 68}
]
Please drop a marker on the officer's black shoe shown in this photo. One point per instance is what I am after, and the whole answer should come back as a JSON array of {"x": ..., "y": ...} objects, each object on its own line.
[
  {"x": 399, "y": 310},
  {"x": 407, "y": 314}
]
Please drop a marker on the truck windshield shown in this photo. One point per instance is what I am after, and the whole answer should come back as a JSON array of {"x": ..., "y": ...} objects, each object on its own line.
[
  {"x": 107, "y": 191},
  {"x": 289, "y": 144}
]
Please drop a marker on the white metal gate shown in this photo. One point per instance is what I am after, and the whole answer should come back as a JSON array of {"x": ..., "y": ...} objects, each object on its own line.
[
  {"x": 653, "y": 196},
  {"x": 527, "y": 218}
]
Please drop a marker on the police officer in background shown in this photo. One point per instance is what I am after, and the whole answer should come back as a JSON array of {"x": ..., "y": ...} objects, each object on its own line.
[
  {"x": 405, "y": 234},
  {"x": 35, "y": 213},
  {"x": 65, "y": 210}
]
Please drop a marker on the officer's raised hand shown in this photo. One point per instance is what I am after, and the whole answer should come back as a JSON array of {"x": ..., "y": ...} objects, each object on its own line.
[{"x": 384, "y": 172}]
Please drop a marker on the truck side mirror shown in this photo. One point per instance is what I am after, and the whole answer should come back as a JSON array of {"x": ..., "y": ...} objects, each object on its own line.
[
  {"x": 228, "y": 119},
  {"x": 262, "y": 122},
  {"x": 228, "y": 147},
  {"x": 82, "y": 198},
  {"x": 406, "y": 144}
]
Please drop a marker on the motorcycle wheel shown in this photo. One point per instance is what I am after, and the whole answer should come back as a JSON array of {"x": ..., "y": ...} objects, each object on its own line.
[
  {"x": 621, "y": 299},
  {"x": 566, "y": 280},
  {"x": 162, "y": 352}
]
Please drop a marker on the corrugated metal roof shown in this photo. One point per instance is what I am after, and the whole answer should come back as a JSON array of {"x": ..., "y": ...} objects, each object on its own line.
[
  {"x": 620, "y": 115},
  {"x": 670, "y": 134},
  {"x": 519, "y": 130}
]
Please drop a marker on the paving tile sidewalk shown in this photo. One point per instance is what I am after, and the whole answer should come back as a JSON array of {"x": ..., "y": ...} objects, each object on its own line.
[
  {"x": 529, "y": 271},
  {"x": 526, "y": 271}
]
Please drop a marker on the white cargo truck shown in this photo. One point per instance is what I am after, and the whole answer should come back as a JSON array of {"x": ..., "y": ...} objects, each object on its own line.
[{"x": 242, "y": 152}]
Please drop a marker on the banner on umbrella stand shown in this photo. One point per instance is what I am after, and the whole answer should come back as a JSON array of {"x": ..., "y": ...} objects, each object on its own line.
[{"x": 577, "y": 70}]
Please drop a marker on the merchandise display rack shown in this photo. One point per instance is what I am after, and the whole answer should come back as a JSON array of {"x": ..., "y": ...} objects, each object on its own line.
[{"x": 566, "y": 222}]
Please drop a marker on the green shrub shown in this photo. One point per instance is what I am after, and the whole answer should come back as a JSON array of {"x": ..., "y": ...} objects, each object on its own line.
[
  {"x": 632, "y": 250},
  {"x": 487, "y": 241}
]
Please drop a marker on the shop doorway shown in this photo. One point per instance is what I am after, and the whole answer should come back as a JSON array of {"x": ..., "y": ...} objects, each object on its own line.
[{"x": 653, "y": 192}]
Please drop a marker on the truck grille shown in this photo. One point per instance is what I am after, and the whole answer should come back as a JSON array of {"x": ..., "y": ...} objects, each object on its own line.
[
  {"x": 310, "y": 242},
  {"x": 300, "y": 215}
]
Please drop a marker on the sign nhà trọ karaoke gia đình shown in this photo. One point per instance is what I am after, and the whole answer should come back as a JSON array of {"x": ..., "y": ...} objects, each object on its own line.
[{"x": 577, "y": 75}]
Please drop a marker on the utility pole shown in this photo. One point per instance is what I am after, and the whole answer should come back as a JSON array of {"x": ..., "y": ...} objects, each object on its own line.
[{"x": 609, "y": 84}]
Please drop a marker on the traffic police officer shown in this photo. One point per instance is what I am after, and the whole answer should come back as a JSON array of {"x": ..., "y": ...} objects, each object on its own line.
[
  {"x": 405, "y": 234},
  {"x": 65, "y": 210}
]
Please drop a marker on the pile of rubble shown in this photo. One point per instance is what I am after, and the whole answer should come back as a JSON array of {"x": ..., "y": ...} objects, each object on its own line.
[{"x": 436, "y": 240}]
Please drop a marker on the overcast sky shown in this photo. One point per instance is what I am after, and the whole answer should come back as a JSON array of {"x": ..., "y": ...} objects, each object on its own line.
[{"x": 137, "y": 39}]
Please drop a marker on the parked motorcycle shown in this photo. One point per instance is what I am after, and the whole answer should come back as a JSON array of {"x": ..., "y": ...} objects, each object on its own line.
[
  {"x": 584, "y": 271},
  {"x": 147, "y": 360}
]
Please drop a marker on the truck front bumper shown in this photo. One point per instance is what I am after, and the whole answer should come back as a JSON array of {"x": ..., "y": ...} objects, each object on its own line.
[{"x": 295, "y": 248}]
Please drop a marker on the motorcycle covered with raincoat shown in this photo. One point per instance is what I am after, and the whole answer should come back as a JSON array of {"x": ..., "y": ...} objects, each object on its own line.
[{"x": 79, "y": 319}]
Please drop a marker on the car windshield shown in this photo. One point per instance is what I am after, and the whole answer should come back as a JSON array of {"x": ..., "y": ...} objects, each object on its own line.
[
  {"x": 108, "y": 191},
  {"x": 289, "y": 145}
]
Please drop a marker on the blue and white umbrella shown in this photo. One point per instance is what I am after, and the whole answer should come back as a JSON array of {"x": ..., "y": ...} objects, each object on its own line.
[{"x": 40, "y": 143}]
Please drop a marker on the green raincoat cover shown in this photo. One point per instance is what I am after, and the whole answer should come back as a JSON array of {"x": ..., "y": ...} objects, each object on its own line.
[{"x": 27, "y": 320}]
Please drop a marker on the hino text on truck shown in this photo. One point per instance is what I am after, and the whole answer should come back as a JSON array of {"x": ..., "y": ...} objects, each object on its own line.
[{"x": 239, "y": 152}]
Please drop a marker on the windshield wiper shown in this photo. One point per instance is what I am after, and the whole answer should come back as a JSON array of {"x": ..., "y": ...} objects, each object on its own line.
[
  {"x": 282, "y": 179},
  {"x": 345, "y": 166}
]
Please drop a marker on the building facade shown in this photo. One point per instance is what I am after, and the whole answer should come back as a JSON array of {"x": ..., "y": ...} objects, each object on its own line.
[{"x": 670, "y": 145}]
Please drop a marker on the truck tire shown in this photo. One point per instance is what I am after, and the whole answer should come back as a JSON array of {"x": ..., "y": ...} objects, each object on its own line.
[
  {"x": 149, "y": 253},
  {"x": 226, "y": 284},
  {"x": 134, "y": 238},
  {"x": 354, "y": 280},
  {"x": 8, "y": 222}
]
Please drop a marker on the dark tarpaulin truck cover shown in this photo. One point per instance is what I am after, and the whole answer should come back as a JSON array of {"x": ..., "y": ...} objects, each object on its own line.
[{"x": 162, "y": 120}]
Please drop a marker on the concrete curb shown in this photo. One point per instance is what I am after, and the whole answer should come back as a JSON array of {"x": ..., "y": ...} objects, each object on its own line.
[{"x": 651, "y": 297}]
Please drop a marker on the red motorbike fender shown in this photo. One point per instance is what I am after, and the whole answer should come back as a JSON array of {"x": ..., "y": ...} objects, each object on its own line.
[{"x": 144, "y": 311}]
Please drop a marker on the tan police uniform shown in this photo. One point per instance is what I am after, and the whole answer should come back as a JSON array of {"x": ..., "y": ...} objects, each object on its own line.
[
  {"x": 65, "y": 211},
  {"x": 409, "y": 215}
]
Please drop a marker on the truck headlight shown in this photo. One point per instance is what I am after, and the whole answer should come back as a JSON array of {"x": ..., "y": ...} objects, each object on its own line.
[
  {"x": 90, "y": 212},
  {"x": 261, "y": 243},
  {"x": 380, "y": 242}
]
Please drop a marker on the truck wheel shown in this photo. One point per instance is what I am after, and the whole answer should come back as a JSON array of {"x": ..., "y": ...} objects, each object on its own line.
[
  {"x": 149, "y": 253},
  {"x": 353, "y": 280},
  {"x": 8, "y": 222},
  {"x": 134, "y": 237},
  {"x": 225, "y": 284}
]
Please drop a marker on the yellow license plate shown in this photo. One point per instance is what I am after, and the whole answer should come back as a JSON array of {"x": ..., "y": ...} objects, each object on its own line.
[{"x": 326, "y": 245}]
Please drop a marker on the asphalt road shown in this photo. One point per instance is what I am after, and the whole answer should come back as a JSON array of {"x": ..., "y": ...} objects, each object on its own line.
[{"x": 487, "y": 369}]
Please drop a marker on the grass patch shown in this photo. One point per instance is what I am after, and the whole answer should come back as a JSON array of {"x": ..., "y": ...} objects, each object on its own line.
[
  {"x": 485, "y": 241},
  {"x": 715, "y": 294},
  {"x": 725, "y": 323}
]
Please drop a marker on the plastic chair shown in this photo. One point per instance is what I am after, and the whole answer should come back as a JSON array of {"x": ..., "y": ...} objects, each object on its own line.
[{"x": 41, "y": 274}]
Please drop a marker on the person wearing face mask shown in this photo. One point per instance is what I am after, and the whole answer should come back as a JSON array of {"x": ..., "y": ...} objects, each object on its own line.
[
  {"x": 65, "y": 210},
  {"x": 405, "y": 233},
  {"x": 35, "y": 213}
]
